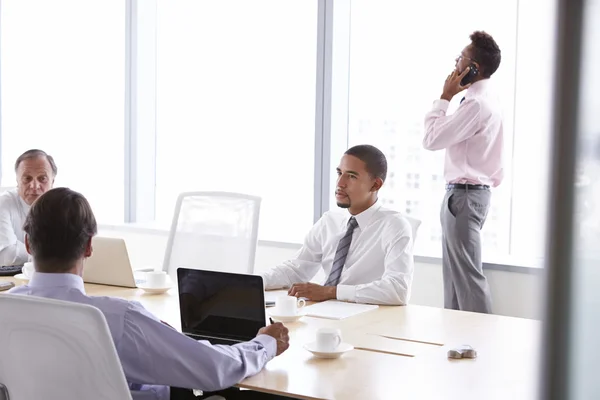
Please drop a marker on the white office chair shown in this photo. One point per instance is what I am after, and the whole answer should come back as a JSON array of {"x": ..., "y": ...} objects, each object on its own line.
[
  {"x": 414, "y": 224},
  {"x": 6, "y": 189},
  {"x": 57, "y": 350},
  {"x": 214, "y": 231}
]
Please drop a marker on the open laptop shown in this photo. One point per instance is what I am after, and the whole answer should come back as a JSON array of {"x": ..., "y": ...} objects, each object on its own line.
[
  {"x": 221, "y": 307},
  {"x": 109, "y": 263}
]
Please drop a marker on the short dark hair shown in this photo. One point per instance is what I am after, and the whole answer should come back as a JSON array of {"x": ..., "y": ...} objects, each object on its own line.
[
  {"x": 373, "y": 158},
  {"x": 59, "y": 225},
  {"x": 35, "y": 153},
  {"x": 486, "y": 52}
]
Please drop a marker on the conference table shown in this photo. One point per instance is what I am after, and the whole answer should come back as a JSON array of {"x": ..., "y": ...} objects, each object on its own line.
[{"x": 400, "y": 353}]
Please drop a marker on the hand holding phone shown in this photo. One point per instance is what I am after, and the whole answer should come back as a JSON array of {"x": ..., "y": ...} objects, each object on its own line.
[
  {"x": 456, "y": 82},
  {"x": 470, "y": 76}
]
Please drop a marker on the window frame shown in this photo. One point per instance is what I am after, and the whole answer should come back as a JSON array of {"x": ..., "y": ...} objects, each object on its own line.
[{"x": 331, "y": 102}]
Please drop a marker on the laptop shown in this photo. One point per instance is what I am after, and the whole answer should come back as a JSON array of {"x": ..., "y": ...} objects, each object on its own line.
[
  {"x": 221, "y": 307},
  {"x": 109, "y": 263}
]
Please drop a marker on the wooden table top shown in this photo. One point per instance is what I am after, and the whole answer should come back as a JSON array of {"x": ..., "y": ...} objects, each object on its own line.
[{"x": 400, "y": 352}]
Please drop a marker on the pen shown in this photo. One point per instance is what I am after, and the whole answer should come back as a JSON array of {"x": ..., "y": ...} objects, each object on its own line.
[{"x": 271, "y": 320}]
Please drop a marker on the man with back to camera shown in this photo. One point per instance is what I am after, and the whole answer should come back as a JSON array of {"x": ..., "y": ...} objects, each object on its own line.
[
  {"x": 154, "y": 356},
  {"x": 35, "y": 171},
  {"x": 473, "y": 139},
  {"x": 366, "y": 252}
]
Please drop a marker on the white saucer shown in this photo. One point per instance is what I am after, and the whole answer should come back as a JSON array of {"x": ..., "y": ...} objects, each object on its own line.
[
  {"x": 21, "y": 277},
  {"x": 285, "y": 318},
  {"x": 153, "y": 290},
  {"x": 342, "y": 348}
]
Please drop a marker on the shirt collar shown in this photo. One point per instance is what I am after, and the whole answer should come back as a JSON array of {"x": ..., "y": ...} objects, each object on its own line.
[
  {"x": 20, "y": 201},
  {"x": 477, "y": 88},
  {"x": 364, "y": 217},
  {"x": 43, "y": 279}
]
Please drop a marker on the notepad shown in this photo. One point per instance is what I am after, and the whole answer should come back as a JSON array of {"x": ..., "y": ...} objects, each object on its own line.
[{"x": 333, "y": 309}]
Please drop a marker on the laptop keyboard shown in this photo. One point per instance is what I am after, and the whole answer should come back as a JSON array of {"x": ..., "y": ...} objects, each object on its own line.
[{"x": 10, "y": 270}]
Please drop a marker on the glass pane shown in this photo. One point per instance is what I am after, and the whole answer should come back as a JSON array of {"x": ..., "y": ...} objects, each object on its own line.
[
  {"x": 394, "y": 83},
  {"x": 62, "y": 75},
  {"x": 585, "y": 322},
  {"x": 236, "y": 106}
]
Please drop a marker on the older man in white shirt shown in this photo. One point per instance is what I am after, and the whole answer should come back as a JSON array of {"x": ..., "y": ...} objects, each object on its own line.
[
  {"x": 35, "y": 172},
  {"x": 366, "y": 252}
]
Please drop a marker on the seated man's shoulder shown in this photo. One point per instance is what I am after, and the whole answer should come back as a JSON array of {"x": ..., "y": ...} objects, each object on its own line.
[
  {"x": 108, "y": 304},
  {"x": 7, "y": 198},
  {"x": 393, "y": 218}
]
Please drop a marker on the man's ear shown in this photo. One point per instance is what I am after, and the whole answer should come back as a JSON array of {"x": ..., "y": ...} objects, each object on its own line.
[
  {"x": 27, "y": 245},
  {"x": 377, "y": 185},
  {"x": 88, "y": 249}
]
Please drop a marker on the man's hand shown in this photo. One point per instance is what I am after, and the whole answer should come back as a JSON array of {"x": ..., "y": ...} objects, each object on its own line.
[
  {"x": 280, "y": 333},
  {"x": 452, "y": 85},
  {"x": 313, "y": 292}
]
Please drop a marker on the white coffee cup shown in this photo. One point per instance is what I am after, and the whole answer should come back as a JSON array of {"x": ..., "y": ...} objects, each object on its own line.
[
  {"x": 28, "y": 270},
  {"x": 288, "y": 305},
  {"x": 156, "y": 279},
  {"x": 328, "y": 339}
]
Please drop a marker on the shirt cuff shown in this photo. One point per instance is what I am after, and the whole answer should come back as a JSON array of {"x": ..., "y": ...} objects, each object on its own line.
[
  {"x": 269, "y": 343},
  {"x": 441, "y": 104},
  {"x": 346, "y": 293}
]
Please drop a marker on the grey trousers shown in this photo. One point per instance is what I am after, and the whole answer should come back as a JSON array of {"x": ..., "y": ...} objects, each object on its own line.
[{"x": 462, "y": 216}]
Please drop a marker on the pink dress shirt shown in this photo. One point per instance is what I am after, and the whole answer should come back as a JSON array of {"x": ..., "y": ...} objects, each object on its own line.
[{"x": 472, "y": 137}]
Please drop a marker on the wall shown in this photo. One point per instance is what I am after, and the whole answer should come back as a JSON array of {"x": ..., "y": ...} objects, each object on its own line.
[{"x": 516, "y": 291}]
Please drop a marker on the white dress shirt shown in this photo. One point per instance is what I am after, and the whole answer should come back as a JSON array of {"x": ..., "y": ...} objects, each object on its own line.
[
  {"x": 472, "y": 136},
  {"x": 13, "y": 211},
  {"x": 155, "y": 356},
  {"x": 379, "y": 266}
]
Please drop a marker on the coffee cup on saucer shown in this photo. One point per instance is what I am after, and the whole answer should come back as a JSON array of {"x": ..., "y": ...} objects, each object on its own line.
[
  {"x": 28, "y": 270},
  {"x": 288, "y": 306},
  {"x": 328, "y": 344},
  {"x": 156, "y": 280},
  {"x": 328, "y": 339}
]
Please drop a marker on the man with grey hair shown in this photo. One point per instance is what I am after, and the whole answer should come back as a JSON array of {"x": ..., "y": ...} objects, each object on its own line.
[{"x": 35, "y": 171}]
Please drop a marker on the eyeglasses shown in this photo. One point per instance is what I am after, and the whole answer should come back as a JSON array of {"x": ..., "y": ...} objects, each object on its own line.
[{"x": 460, "y": 56}]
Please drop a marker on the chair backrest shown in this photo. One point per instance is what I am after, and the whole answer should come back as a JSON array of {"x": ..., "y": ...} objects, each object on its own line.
[
  {"x": 414, "y": 224},
  {"x": 6, "y": 188},
  {"x": 214, "y": 231},
  {"x": 57, "y": 350}
]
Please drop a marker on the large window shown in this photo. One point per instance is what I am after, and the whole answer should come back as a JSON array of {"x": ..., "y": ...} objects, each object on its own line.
[
  {"x": 62, "y": 91},
  {"x": 230, "y": 95},
  {"x": 399, "y": 57},
  {"x": 236, "y": 86}
]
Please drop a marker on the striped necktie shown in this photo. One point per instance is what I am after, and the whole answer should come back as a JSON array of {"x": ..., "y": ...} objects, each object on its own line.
[{"x": 340, "y": 254}]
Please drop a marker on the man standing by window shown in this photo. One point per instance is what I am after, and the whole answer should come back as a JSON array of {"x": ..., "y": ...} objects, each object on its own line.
[{"x": 473, "y": 140}]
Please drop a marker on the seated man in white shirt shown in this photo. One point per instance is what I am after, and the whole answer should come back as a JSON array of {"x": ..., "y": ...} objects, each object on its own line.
[
  {"x": 366, "y": 252},
  {"x": 35, "y": 172}
]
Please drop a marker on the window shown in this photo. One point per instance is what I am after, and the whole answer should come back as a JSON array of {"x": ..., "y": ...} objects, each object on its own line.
[
  {"x": 62, "y": 76},
  {"x": 236, "y": 84},
  {"x": 393, "y": 84}
]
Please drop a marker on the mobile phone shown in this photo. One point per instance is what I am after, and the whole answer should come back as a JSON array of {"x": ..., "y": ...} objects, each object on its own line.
[
  {"x": 6, "y": 286},
  {"x": 468, "y": 78}
]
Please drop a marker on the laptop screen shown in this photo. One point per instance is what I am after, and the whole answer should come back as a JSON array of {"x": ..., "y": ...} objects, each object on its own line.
[{"x": 220, "y": 304}]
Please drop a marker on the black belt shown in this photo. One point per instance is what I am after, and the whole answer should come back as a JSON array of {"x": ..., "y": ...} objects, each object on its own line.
[{"x": 466, "y": 186}]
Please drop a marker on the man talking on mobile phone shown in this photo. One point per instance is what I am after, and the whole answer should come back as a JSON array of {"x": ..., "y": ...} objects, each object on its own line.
[{"x": 473, "y": 139}]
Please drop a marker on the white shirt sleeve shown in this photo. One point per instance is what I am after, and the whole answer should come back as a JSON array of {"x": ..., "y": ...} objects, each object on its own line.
[
  {"x": 394, "y": 286},
  {"x": 12, "y": 251},
  {"x": 304, "y": 266},
  {"x": 442, "y": 131}
]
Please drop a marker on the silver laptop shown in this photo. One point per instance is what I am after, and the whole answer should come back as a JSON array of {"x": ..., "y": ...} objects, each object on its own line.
[{"x": 109, "y": 263}]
